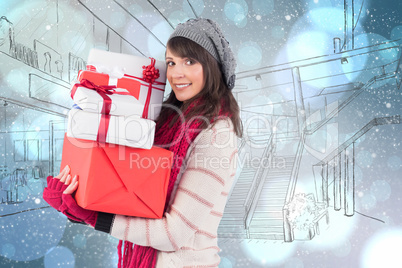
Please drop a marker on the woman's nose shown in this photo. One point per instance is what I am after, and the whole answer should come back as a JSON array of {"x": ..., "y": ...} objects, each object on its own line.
[{"x": 177, "y": 72}]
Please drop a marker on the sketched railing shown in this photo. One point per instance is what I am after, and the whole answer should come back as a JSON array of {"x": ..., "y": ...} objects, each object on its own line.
[
  {"x": 287, "y": 230},
  {"x": 356, "y": 93},
  {"x": 266, "y": 155},
  {"x": 342, "y": 161},
  {"x": 241, "y": 147},
  {"x": 398, "y": 76}
]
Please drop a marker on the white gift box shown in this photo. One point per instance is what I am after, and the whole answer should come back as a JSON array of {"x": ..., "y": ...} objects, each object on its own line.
[
  {"x": 131, "y": 131},
  {"x": 118, "y": 65},
  {"x": 90, "y": 101}
]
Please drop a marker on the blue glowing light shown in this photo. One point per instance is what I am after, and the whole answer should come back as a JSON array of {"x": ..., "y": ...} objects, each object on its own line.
[
  {"x": 263, "y": 7},
  {"x": 236, "y": 11},
  {"x": 250, "y": 54},
  {"x": 162, "y": 30},
  {"x": 383, "y": 249},
  {"x": 197, "y": 5},
  {"x": 79, "y": 241},
  {"x": 268, "y": 253},
  {"x": 31, "y": 233},
  {"x": 381, "y": 190},
  {"x": 117, "y": 19},
  {"x": 135, "y": 10},
  {"x": 59, "y": 257},
  {"x": 394, "y": 163},
  {"x": 177, "y": 17},
  {"x": 329, "y": 20}
]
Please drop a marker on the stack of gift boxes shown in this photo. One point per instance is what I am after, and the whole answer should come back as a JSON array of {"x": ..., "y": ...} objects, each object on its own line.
[{"x": 110, "y": 135}]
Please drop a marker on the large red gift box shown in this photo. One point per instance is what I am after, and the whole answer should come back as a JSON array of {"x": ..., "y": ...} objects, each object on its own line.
[{"x": 118, "y": 179}]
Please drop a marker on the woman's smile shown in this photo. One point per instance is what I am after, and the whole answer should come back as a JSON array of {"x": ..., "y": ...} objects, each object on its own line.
[{"x": 182, "y": 86}]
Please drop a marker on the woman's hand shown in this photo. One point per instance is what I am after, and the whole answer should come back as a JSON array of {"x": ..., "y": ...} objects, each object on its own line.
[
  {"x": 71, "y": 209},
  {"x": 72, "y": 187},
  {"x": 56, "y": 186}
]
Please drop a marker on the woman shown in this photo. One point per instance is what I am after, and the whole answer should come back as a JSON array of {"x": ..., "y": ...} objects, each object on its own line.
[{"x": 202, "y": 136}]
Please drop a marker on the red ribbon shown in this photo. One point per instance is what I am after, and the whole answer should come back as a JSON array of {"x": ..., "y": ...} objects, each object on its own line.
[
  {"x": 150, "y": 74},
  {"x": 103, "y": 91}
]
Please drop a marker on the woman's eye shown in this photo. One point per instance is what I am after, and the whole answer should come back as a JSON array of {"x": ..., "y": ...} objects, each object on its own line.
[
  {"x": 190, "y": 62},
  {"x": 170, "y": 63}
]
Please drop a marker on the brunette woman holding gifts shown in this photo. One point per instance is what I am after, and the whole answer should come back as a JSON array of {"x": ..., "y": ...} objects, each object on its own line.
[{"x": 203, "y": 138}]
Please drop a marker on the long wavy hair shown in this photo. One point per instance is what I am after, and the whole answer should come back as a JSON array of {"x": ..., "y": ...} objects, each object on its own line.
[{"x": 213, "y": 98}]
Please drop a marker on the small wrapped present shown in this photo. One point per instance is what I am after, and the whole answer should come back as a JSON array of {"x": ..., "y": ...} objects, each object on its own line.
[
  {"x": 92, "y": 98},
  {"x": 119, "y": 179},
  {"x": 144, "y": 78},
  {"x": 131, "y": 131}
]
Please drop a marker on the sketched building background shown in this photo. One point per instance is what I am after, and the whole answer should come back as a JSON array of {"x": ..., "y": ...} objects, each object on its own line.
[{"x": 319, "y": 87}]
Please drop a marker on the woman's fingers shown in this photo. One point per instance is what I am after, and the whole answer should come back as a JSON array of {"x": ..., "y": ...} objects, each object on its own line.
[
  {"x": 63, "y": 174},
  {"x": 72, "y": 187},
  {"x": 66, "y": 173},
  {"x": 68, "y": 180}
]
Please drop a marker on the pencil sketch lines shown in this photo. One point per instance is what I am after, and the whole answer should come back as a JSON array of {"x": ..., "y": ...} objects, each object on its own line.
[
  {"x": 109, "y": 27},
  {"x": 342, "y": 162},
  {"x": 131, "y": 15}
]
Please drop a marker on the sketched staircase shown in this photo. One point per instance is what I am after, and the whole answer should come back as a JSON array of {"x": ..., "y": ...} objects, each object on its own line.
[
  {"x": 232, "y": 223},
  {"x": 265, "y": 220}
]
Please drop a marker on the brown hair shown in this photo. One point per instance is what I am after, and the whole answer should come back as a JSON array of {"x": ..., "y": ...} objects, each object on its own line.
[{"x": 215, "y": 95}]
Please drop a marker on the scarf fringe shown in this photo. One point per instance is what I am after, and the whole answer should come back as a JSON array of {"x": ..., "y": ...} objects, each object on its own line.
[{"x": 135, "y": 256}]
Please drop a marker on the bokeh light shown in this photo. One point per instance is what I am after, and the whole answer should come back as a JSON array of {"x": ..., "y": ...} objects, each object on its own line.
[
  {"x": 236, "y": 11},
  {"x": 364, "y": 159},
  {"x": 135, "y": 10},
  {"x": 293, "y": 262},
  {"x": 277, "y": 32},
  {"x": 329, "y": 20},
  {"x": 381, "y": 190},
  {"x": 225, "y": 263},
  {"x": 250, "y": 54},
  {"x": 383, "y": 249},
  {"x": 117, "y": 19},
  {"x": 263, "y": 7},
  {"x": 30, "y": 233},
  {"x": 270, "y": 253},
  {"x": 394, "y": 163},
  {"x": 313, "y": 4},
  {"x": 177, "y": 17},
  {"x": 197, "y": 5},
  {"x": 343, "y": 249},
  {"x": 59, "y": 257},
  {"x": 79, "y": 241},
  {"x": 156, "y": 49},
  {"x": 368, "y": 201},
  {"x": 396, "y": 33}
]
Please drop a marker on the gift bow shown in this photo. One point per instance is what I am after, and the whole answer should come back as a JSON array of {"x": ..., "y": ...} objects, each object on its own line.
[
  {"x": 150, "y": 74},
  {"x": 103, "y": 91}
]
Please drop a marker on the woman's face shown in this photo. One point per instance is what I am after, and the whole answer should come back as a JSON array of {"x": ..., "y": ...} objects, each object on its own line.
[{"x": 186, "y": 76}]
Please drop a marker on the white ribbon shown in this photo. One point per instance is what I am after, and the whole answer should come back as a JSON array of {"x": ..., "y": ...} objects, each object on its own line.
[{"x": 114, "y": 72}]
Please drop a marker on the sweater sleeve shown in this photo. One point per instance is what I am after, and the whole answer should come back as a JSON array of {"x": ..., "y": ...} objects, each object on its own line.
[{"x": 210, "y": 167}]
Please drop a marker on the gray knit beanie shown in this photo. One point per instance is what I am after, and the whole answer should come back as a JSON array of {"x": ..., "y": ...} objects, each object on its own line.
[{"x": 207, "y": 34}]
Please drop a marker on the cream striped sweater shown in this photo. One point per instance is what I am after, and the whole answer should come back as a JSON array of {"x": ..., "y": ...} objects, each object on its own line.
[{"x": 186, "y": 236}]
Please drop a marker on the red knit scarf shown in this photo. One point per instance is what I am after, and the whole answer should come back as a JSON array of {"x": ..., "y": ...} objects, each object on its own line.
[{"x": 178, "y": 138}]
